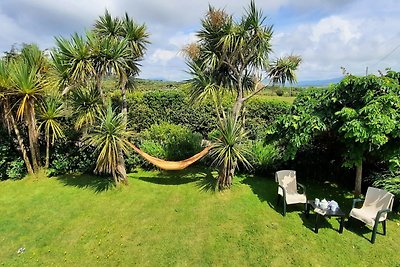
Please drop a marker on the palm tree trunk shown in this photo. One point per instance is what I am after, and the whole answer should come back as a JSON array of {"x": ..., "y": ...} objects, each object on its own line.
[
  {"x": 33, "y": 135},
  {"x": 357, "y": 189},
  {"x": 99, "y": 78},
  {"x": 121, "y": 169},
  {"x": 124, "y": 106},
  {"x": 47, "y": 149},
  {"x": 225, "y": 175},
  {"x": 21, "y": 144}
]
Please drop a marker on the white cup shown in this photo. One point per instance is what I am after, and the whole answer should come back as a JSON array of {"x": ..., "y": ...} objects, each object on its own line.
[{"x": 316, "y": 201}]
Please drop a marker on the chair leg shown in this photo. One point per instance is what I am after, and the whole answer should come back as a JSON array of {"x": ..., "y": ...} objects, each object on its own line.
[
  {"x": 284, "y": 207},
  {"x": 384, "y": 227},
  {"x": 277, "y": 200},
  {"x": 374, "y": 233}
]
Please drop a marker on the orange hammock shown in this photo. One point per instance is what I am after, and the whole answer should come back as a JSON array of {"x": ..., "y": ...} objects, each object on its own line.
[{"x": 171, "y": 165}]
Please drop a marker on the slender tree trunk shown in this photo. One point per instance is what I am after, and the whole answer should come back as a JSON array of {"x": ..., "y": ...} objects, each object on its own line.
[
  {"x": 22, "y": 147},
  {"x": 357, "y": 189},
  {"x": 33, "y": 135},
  {"x": 121, "y": 170},
  {"x": 47, "y": 149},
  {"x": 99, "y": 78},
  {"x": 124, "y": 105}
]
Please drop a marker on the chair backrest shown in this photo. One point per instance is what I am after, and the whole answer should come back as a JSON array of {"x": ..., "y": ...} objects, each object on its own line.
[
  {"x": 378, "y": 199},
  {"x": 287, "y": 179}
]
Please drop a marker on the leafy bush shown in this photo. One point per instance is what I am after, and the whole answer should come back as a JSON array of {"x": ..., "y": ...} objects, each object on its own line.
[
  {"x": 265, "y": 156},
  {"x": 11, "y": 164},
  {"x": 389, "y": 181},
  {"x": 172, "y": 106},
  {"x": 70, "y": 156},
  {"x": 167, "y": 141},
  {"x": 177, "y": 141},
  {"x": 261, "y": 113},
  {"x": 16, "y": 169},
  {"x": 279, "y": 92}
]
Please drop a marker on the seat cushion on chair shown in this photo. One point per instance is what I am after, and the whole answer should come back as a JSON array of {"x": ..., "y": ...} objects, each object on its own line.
[
  {"x": 365, "y": 215},
  {"x": 296, "y": 198}
]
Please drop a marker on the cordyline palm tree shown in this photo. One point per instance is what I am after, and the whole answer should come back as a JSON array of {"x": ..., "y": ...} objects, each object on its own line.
[
  {"x": 73, "y": 62},
  {"x": 8, "y": 116},
  {"x": 110, "y": 137},
  {"x": 51, "y": 111},
  {"x": 229, "y": 149},
  {"x": 127, "y": 34},
  {"x": 283, "y": 70},
  {"x": 229, "y": 56},
  {"x": 28, "y": 78},
  {"x": 86, "y": 105}
]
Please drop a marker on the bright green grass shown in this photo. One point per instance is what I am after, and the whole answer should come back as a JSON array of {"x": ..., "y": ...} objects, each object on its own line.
[{"x": 164, "y": 219}]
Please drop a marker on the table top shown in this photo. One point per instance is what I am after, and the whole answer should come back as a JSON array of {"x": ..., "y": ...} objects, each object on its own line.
[{"x": 325, "y": 212}]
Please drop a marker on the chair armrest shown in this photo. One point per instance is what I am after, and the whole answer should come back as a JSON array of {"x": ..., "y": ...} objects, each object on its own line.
[
  {"x": 355, "y": 201},
  {"x": 379, "y": 213},
  {"x": 284, "y": 191},
  {"x": 302, "y": 187}
]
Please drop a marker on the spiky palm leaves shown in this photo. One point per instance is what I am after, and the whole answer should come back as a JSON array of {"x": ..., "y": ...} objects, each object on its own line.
[
  {"x": 283, "y": 69},
  {"x": 228, "y": 149},
  {"x": 229, "y": 54},
  {"x": 50, "y": 114},
  {"x": 86, "y": 104},
  {"x": 28, "y": 85},
  {"x": 110, "y": 136}
]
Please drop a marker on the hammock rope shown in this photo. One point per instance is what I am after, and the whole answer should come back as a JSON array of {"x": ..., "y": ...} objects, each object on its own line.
[{"x": 171, "y": 165}]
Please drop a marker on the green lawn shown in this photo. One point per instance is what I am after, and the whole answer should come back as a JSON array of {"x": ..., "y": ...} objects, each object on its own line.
[{"x": 176, "y": 219}]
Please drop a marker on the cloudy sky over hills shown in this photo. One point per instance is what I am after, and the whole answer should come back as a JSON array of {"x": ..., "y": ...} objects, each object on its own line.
[{"x": 354, "y": 34}]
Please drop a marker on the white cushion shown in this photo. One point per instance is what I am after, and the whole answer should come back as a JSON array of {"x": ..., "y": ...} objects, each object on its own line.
[{"x": 296, "y": 198}]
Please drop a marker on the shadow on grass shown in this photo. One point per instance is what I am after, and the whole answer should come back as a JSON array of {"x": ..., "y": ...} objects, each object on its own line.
[
  {"x": 202, "y": 177},
  {"x": 96, "y": 183},
  {"x": 265, "y": 189},
  {"x": 323, "y": 222}
]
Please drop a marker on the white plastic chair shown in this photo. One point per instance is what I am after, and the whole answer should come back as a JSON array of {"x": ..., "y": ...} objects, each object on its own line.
[
  {"x": 377, "y": 204},
  {"x": 288, "y": 189}
]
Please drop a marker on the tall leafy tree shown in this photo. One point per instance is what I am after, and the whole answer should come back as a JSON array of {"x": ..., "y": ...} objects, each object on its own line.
[{"x": 362, "y": 112}]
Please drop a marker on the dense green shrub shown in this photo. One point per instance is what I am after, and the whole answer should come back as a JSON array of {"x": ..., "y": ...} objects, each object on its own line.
[
  {"x": 389, "y": 181},
  {"x": 172, "y": 106},
  {"x": 279, "y": 92},
  {"x": 266, "y": 157},
  {"x": 16, "y": 169},
  {"x": 261, "y": 113},
  {"x": 71, "y": 156},
  {"x": 11, "y": 164},
  {"x": 166, "y": 141}
]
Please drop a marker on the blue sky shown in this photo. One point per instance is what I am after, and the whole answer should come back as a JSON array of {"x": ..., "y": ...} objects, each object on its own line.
[{"x": 328, "y": 34}]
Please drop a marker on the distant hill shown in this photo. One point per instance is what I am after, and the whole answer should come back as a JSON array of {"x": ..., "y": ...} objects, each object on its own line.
[{"x": 318, "y": 83}]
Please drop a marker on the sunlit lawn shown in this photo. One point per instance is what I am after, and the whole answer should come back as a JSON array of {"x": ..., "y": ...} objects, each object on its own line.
[{"x": 176, "y": 219}]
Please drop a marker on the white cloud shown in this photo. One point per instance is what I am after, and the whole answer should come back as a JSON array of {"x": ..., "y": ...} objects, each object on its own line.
[
  {"x": 181, "y": 39},
  {"x": 327, "y": 34},
  {"x": 337, "y": 26},
  {"x": 162, "y": 56}
]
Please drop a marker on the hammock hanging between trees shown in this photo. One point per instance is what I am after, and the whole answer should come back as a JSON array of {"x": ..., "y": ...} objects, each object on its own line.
[{"x": 171, "y": 165}]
